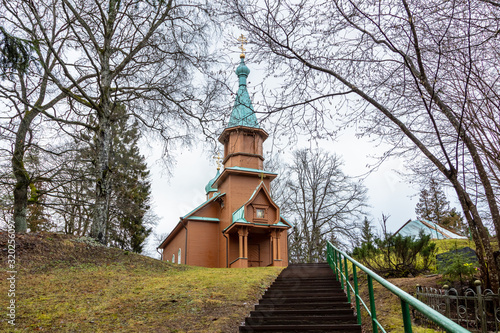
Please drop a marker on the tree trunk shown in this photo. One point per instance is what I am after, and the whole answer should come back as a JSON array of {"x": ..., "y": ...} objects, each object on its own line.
[
  {"x": 22, "y": 177},
  {"x": 98, "y": 229},
  {"x": 489, "y": 268},
  {"x": 20, "y": 201}
]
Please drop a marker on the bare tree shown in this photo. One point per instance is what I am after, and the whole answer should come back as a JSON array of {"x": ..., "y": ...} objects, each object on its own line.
[
  {"x": 417, "y": 70},
  {"x": 23, "y": 92},
  {"x": 324, "y": 204},
  {"x": 141, "y": 54}
]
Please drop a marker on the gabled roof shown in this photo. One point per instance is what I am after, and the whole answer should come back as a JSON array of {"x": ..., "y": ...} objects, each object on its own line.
[
  {"x": 217, "y": 195},
  {"x": 238, "y": 216},
  {"x": 285, "y": 221},
  {"x": 412, "y": 228},
  {"x": 192, "y": 217},
  {"x": 263, "y": 187}
]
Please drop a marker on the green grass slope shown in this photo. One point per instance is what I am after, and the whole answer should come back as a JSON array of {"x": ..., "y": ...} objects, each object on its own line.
[{"x": 66, "y": 284}]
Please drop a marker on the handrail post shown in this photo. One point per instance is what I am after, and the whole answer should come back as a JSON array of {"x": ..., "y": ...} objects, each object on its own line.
[
  {"x": 347, "y": 281},
  {"x": 341, "y": 271},
  {"x": 405, "y": 309},
  {"x": 335, "y": 256},
  {"x": 328, "y": 252},
  {"x": 356, "y": 293},
  {"x": 372, "y": 305}
]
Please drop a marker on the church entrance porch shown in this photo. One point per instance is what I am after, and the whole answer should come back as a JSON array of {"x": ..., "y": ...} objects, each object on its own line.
[{"x": 254, "y": 246}]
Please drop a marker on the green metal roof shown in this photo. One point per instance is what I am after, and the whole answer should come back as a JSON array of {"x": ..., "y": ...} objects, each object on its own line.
[
  {"x": 217, "y": 195},
  {"x": 243, "y": 113},
  {"x": 239, "y": 215},
  {"x": 279, "y": 224},
  {"x": 251, "y": 170},
  {"x": 209, "y": 187},
  {"x": 202, "y": 218},
  {"x": 281, "y": 216}
]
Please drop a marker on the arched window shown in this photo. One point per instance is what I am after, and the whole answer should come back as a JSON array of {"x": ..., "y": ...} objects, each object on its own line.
[
  {"x": 173, "y": 258},
  {"x": 179, "y": 256}
]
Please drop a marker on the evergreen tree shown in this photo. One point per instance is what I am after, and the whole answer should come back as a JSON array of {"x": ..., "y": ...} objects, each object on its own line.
[
  {"x": 367, "y": 235},
  {"x": 15, "y": 53},
  {"x": 127, "y": 225},
  {"x": 433, "y": 206},
  {"x": 455, "y": 221}
]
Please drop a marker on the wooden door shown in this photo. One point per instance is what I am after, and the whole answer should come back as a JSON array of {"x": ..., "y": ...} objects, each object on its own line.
[{"x": 254, "y": 255}]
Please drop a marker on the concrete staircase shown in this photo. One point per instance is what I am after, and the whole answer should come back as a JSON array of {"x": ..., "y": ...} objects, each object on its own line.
[{"x": 303, "y": 298}]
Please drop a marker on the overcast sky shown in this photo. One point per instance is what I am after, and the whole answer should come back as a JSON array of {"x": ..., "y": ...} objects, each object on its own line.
[{"x": 176, "y": 195}]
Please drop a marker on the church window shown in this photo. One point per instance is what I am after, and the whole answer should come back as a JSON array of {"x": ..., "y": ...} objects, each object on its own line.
[
  {"x": 173, "y": 258},
  {"x": 179, "y": 256},
  {"x": 260, "y": 212}
]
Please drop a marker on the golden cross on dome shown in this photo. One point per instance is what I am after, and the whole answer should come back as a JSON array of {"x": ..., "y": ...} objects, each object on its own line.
[
  {"x": 218, "y": 158},
  {"x": 243, "y": 40}
]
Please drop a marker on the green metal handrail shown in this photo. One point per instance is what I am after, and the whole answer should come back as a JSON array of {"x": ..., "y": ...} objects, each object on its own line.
[{"x": 337, "y": 260}]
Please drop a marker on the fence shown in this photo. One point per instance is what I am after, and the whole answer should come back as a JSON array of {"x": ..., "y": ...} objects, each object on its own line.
[{"x": 477, "y": 310}]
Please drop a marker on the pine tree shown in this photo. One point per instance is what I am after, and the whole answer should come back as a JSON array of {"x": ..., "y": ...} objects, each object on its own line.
[
  {"x": 127, "y": 225},
  {"x": 455, "y": 221},
  {"x": 433, "y": 206},
  {"x": 367, "y": 235}
]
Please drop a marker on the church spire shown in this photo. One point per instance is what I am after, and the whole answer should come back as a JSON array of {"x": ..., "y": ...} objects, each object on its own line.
[
  {"x": 243, "y": 138},
  {"x": 243, "y": 113}
]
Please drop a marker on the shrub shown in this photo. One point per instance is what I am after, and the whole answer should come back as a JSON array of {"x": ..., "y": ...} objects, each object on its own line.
[
  {"x": 457, "y": 266},
  {"x": 397, "y": 256}
]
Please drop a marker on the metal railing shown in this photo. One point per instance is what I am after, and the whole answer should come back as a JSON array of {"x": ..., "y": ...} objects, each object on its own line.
[
  {"x": 338, "y": 261},
  {"x": 478, "y": 310}
]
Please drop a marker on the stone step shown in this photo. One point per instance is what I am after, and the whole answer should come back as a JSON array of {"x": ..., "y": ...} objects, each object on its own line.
[
  {"x": 303, "y": 298},
  {"x": 304, "y": 280},
  {"x": 301, "y": 320},
  {"x": 302, "y": 328},
  {"x": 304, "y": 295},
  {"x": 286, "y": 306},
  {"x": 301, "y": 312}
]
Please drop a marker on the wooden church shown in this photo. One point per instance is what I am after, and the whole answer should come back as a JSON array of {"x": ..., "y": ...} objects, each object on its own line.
[{"x": 239, "y": 225}]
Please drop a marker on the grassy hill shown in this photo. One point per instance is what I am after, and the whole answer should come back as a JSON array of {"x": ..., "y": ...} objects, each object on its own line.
[{"x": 69, "y": 284}]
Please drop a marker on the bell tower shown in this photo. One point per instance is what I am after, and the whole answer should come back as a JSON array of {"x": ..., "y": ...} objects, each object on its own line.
[{"x": 243, "y": 138}]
